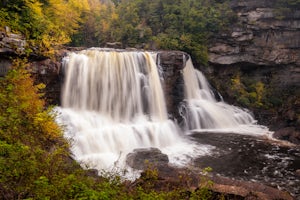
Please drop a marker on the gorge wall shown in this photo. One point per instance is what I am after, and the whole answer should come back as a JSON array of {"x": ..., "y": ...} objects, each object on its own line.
[{"x": 256, "y": 64}]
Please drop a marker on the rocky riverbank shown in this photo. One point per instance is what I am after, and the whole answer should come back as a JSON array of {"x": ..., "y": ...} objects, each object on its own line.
[{"x": 164, "y": 177}]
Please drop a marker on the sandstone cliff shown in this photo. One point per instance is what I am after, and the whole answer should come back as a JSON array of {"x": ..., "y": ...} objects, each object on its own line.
[{"x": 256, "y": 63}]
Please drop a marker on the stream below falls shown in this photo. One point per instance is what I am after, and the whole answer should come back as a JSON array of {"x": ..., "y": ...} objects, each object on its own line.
[{"x": 249, "y": 158}]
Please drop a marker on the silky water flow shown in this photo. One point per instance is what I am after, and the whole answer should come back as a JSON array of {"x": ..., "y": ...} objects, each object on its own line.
[
  {"x": 203, "y": 113},
  {"x": 113, "y": 102}
]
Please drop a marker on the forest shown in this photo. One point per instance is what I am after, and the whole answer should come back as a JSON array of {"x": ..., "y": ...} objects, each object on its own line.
[{"x": 159, "y": 24}]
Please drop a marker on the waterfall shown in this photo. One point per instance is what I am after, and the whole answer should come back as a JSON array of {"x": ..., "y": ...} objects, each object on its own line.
[
  {"x": 112, "y": 103},
  {"x": 203, "y": 113}
]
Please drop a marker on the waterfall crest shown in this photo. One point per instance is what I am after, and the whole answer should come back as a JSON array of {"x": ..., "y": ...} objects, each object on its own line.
[{"x": 121, "y": 85}]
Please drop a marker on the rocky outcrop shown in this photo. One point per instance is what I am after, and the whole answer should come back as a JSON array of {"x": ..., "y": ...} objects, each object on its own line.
[
  {"x": 260, "y": 49},
  {"x": 48, "y": 72},
  {"x": 11, "y": 43}
]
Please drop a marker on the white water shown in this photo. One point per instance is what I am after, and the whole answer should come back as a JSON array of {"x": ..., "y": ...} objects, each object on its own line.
[
  {"x": 203, "y": 113},
  {"x": 112, "y": 103}
]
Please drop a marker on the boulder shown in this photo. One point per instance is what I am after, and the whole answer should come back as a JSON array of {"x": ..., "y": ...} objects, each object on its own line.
[{"x": 145, "y": 157}]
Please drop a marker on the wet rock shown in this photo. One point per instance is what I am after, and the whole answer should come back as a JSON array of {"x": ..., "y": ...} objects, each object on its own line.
[
  {"x": 289, "y": 134},
  {"x": 145, "y": 157},
  {"x": 298, "y": 172},
  {"x": 172, "y": 64}
]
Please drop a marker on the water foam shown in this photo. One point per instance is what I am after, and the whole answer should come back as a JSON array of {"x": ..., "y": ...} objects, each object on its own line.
[
  {"x": 203, "y": 113},
  {"x": 112, "y": 103}
]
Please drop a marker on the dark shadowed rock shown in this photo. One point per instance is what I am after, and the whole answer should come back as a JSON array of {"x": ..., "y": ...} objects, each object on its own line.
[
  {"x": 289, "y": 134},
  {"x": 172, "y": 64},
  {"x": 92, "y": 173},
  {"x": 142, "y": 158},
  {"x": 5, "y": 65},
  {"x": 298, "y": 172}
]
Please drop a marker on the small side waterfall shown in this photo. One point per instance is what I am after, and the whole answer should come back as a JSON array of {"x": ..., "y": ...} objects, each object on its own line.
[
  {"x": 112, "y": 103},
  {"x": 204, "y": 113}
]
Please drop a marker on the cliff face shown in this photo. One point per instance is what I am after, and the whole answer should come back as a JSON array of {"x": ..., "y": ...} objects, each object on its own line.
[
  {"x": 259, "y": 36},
  {"x": 256, "y": 64}
]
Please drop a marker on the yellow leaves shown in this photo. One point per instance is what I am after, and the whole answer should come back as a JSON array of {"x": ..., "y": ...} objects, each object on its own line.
[
  {"x": 114, "y": 16},
  {"x": 23, "y": 116},
  {"x": 105, "y": 26},
  {"x": 186, "y": 39},
  {"x": 260, "y": 88},
  {"x": 79, "y": 5},
  {"x": 41, "y": 86},
  {"x": 21, "y": 91},
  {"x": 46, "y": 124},
  {"x": 35, "y": 7},
  {"x": 67, "y": 14}
]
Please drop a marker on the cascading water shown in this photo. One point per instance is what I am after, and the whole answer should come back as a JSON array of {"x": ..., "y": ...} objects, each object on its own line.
[
  {"x": 112, "y": 103},
  {"x": 203, "y": 113}
]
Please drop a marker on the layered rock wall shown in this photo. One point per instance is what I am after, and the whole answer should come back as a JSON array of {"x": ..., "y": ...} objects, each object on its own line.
[
  {"x": 259, "y": 36},
  {"x": 260, "y": 50}
]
